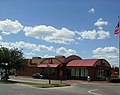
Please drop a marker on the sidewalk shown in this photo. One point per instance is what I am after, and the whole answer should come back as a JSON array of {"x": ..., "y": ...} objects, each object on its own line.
[{"x": 91, "y": 82}]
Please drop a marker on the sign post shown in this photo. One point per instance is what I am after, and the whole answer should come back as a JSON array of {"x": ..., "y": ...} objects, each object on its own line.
[{"x": 61, "y": 73}]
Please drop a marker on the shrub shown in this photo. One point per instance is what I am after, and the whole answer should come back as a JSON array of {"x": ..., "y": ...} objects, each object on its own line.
[{"x": 115, "y": 80}]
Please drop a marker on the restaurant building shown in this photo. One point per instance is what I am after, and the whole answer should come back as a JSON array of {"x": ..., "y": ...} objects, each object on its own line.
[{"x": 72, "y": 67}]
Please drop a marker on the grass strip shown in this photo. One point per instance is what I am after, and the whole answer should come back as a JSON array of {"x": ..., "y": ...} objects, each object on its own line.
[
  {"x": 45, "y": 85},
  {"x": 56, "y": 84}
]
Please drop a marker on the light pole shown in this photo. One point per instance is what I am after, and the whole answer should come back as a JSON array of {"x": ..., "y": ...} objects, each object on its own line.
[
  {"x": 6, "y": 64},
  {"x": 50, "y": 61},
  {"x": 49, "y": 71},
  {"x": 61, "y": 72},
  {"x": 5, "y": 67}
]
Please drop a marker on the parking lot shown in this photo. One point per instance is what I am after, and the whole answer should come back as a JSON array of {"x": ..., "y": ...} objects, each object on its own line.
[{"x": 76, "y": 88}]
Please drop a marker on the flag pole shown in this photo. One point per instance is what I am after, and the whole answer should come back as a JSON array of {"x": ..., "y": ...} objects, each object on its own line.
[{"x": 119, "y": 45}]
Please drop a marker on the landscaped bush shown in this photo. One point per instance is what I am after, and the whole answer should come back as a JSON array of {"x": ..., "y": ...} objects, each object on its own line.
[{"x": 115, "y": 80}]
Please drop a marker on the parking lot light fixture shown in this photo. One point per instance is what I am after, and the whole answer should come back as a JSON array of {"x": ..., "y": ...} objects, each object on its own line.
[{"x": 5, "y": 64}]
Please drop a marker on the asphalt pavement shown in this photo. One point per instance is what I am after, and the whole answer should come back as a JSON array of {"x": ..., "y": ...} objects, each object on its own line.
[{"x": 76, "y": 88}]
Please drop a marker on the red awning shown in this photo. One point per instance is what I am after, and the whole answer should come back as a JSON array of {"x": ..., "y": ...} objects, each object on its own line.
[
  {"x": 82, "y": 63},
  {"x": 46, "y": 65}
]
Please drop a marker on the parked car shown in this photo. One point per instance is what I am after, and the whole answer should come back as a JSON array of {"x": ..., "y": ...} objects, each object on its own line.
[
  {"x": 115, "y": 74},
  {"x": 37, "y": 76}
]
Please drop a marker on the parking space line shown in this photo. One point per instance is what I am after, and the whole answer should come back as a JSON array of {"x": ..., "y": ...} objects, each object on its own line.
[{"x": 92, "y": 92}]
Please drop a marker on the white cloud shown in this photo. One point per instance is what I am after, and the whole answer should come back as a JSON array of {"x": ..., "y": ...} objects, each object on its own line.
[
  {"x": 65, "y": 52},
  {"x": 103, "y": 34},
  {"x": 100, "y": 28},
  {"x": 88, "y": 34},
  {"x": 29, "y": 55},
  {"x": 44, "y": 48},
  {"x": 50, "y": 34},
  {"x": 108, "y": 53},
  {"x": 30, "y": 50},
  {"x": 94, "y": 34},
  {"x": 5, "y": 44},
  {"x": 8, "y": 26},
  {"x": 100, "y": 22},
  {"x": 30, "y": 46},
  {"x": 100, "y": 34},
  {"x": 92, "y": 10}
]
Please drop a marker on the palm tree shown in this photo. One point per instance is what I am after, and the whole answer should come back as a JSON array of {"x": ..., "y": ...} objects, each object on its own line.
[{"x": 11, "y": 59}]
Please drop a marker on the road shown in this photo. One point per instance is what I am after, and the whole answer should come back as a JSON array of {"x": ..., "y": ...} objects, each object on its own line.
[
  {"x": 13, "y": 89},
  {"x": 100, "y": 89},
  {"x": 77, "y": 88}
]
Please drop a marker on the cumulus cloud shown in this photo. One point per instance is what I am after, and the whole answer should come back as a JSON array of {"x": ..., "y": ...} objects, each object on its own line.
[
  {"x": 108, "y": 53},
  {"x": 30, "y": 50},
  {"x": 100, "y": 34},
  {"x": 29, "y": 55},
  {"x": 94, "y": 34},
  {"x": 103, "y": 34},
  {"x": 30, "y": 46},
  {"x": 50, "y": 34},
  {"x": 65, "y": 52},
  {"x": 8, "y": 27},
  {"x": 92, "y": 10},
  {"x": 44, "y": 48},
  {"x": 100, "y": 23},
  {"x": 87, "y": 34}
]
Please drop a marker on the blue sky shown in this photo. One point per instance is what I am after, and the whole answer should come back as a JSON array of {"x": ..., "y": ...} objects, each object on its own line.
[{"x": 48, "y": 28}]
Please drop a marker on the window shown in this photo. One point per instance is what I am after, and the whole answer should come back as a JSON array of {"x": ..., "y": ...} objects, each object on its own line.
[
  {"x": 74, "y": 72},
  {"x": 84, "y": 72},
  {"x": 77, "y": 72}
]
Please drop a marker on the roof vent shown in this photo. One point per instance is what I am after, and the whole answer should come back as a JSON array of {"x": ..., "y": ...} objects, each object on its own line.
[
  {"x": 36, "y": 57},
  {"x": 60, "y": 56}
]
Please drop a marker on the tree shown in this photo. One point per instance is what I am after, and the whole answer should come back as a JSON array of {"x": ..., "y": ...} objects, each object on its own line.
[{"x": 11, "y": 59}]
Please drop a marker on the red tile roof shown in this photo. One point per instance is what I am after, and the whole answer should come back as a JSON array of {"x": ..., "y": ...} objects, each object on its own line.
[
  {"x": 82, "y": 63},
  {"x": 46, "y": 65}
]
